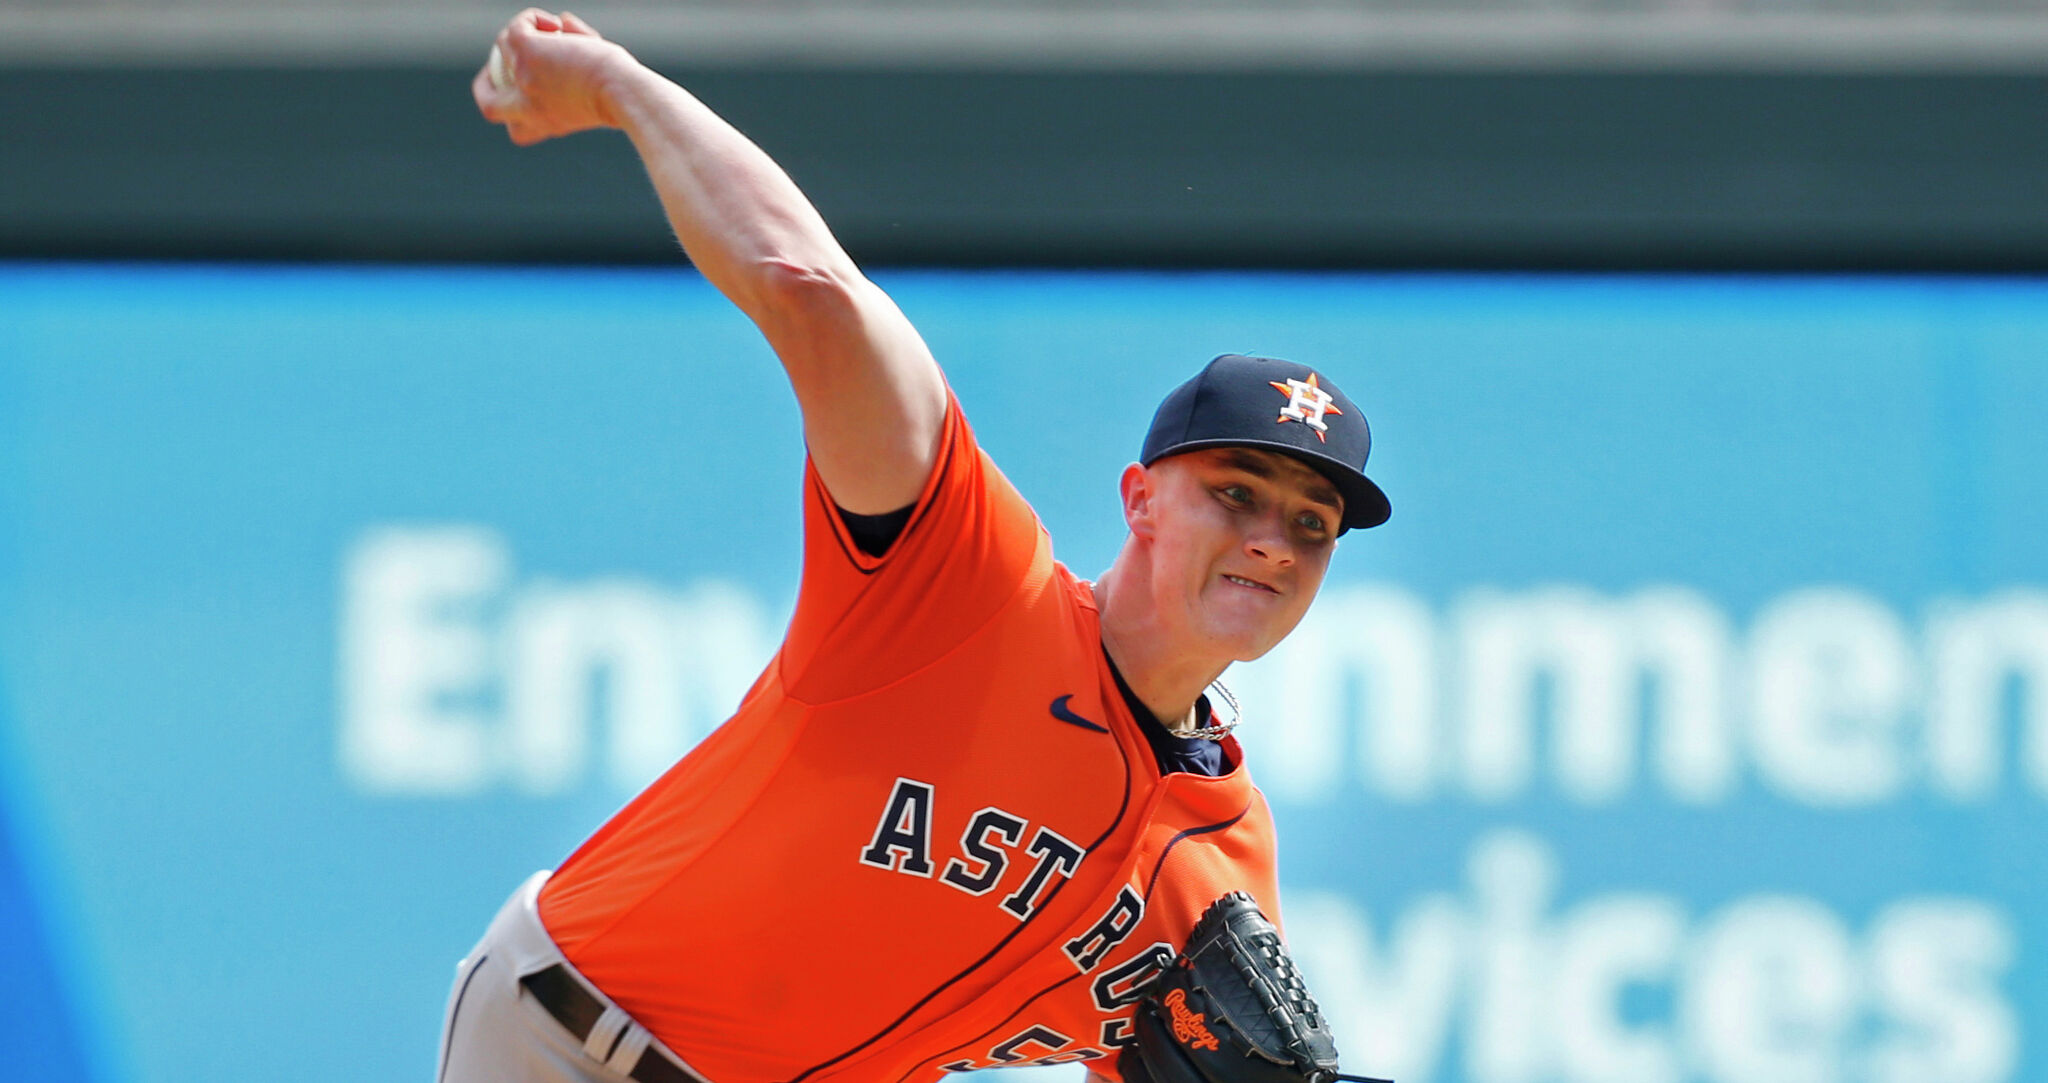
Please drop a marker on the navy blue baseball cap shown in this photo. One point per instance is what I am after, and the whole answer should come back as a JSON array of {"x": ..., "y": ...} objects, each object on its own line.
[{"x": 1274, "y": 405}]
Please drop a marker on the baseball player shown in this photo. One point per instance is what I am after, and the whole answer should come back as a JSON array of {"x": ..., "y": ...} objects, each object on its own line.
[{"x": 977, "y": 812}]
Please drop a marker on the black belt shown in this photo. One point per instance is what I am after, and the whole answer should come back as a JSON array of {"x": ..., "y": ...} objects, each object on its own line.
[{"x": 577, "y": 1009}]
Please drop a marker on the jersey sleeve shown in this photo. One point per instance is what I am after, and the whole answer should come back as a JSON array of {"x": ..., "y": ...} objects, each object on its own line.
[{"x": 864, "y": 621}]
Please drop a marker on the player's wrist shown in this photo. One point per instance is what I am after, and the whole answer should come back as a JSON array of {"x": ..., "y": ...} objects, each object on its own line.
[{"x": 622, "y": 87}]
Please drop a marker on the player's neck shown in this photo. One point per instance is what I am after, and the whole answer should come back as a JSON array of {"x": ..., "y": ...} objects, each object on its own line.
[{"x": 1167, "y": 673}]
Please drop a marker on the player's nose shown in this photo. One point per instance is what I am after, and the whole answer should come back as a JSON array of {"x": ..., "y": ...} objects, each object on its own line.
[{"x": 1267, "y": 540}]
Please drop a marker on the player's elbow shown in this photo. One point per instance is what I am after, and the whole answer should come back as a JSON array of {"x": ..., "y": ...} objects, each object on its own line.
[{"x": 804, "y": 297}]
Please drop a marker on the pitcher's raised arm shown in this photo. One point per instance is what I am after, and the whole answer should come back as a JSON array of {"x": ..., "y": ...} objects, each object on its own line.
[{"x": 872, "y": 397}]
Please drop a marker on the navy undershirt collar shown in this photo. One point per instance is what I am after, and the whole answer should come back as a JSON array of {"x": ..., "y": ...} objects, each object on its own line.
[{"x": 1189, "y": 755}]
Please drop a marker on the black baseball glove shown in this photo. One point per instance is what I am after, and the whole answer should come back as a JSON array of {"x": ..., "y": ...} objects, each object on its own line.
[{"x": 1231, "y": 1009}]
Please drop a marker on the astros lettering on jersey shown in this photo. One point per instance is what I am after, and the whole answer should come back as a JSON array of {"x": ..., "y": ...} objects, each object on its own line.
[{"x": 932, "y": 839}]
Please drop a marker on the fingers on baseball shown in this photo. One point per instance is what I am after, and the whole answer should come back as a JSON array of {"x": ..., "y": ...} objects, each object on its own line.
[
  {"x": 575, "y": 25},
  {"x": 536, "y": 19},
  {"x": 485, "y": 95},
  {"x": 492, "y": 99},
  {"x": 548, "y": 22},
  {"x": 496, "y": 85}
]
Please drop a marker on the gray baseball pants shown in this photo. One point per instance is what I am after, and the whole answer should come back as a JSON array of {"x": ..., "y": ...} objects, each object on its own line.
[{"x": 496, "y": 1031}]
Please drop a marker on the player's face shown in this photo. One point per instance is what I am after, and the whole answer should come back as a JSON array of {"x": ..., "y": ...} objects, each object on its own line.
[{"x": 1241, "y": 541}]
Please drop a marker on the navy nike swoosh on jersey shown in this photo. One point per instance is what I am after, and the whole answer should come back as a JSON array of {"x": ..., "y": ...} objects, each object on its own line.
[{"x": 1061, "y": 712}]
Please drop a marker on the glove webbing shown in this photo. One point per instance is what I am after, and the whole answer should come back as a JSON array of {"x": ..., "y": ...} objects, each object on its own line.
[{"x": 1271, "y": 984}]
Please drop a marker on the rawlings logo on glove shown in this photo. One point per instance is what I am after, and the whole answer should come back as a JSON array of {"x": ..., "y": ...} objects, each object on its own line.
[
  {"x": 1231, "y": 1009},
  {"x": 1187, "y": 1025}
]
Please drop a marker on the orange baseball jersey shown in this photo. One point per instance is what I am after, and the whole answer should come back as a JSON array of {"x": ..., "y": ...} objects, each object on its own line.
[{"x": 932, "y": 839}]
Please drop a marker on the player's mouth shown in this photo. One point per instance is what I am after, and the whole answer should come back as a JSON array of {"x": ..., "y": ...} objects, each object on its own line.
[{"x": 1251, "y": 584}]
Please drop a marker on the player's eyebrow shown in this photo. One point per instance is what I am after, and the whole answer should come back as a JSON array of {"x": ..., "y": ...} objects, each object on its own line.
[{"x": 1317, "y": 489}]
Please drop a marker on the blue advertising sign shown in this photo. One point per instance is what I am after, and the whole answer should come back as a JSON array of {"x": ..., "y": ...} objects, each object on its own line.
[{"x": 1688, "y": 722}]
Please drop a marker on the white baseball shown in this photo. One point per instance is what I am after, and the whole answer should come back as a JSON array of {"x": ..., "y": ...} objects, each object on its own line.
[{"x": 500, "y": 69}]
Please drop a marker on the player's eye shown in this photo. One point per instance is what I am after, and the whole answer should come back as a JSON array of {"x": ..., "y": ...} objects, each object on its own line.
[
  {"x": 1236, "y": 494},
  {"x": 1312, "y": 522}
]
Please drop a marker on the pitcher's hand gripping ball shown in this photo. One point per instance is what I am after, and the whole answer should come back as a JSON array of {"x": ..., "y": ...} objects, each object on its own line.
[
  {"x": 1232, "y": 1009},
  {"x": 500, "y": 69}
]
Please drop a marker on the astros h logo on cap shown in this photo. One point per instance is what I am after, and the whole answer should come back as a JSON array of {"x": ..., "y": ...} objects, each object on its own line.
[
  {"x": 1306, "y": 403},
  {"x": 1230, "y": 403}
]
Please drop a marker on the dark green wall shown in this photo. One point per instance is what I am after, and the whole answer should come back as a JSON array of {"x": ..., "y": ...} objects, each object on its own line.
[{"x": 1316, "y": 169}]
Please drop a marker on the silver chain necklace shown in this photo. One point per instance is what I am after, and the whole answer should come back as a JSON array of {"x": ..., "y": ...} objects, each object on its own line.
[{"x": 1187, "y": 727}]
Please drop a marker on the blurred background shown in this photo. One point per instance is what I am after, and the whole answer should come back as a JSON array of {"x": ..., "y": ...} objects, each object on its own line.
[{"x": 1687, "y": 724}]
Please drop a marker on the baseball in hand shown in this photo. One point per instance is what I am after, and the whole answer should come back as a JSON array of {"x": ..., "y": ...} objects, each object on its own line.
[{"x": 500, "y": 69}]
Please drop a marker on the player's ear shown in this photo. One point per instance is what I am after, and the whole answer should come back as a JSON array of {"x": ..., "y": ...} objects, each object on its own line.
[{"x": 1140, "y": 491}]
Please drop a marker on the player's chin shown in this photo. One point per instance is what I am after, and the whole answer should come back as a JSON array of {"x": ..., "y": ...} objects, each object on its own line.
[
  {"x": 1246, "y": 641},
  {"x": 1254, "y": 650},
  {"x": 1257, "y": 640}
]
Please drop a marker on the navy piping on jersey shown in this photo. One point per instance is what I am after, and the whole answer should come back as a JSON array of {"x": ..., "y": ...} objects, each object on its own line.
[
  {"x": 1150, "y": 882},
  {"x": 909, "y": 512},
  {"x": 1176, "y": 841}
]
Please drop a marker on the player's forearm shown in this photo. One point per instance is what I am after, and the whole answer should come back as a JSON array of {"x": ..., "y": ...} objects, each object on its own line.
[{"x": 741, "y": 220}]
